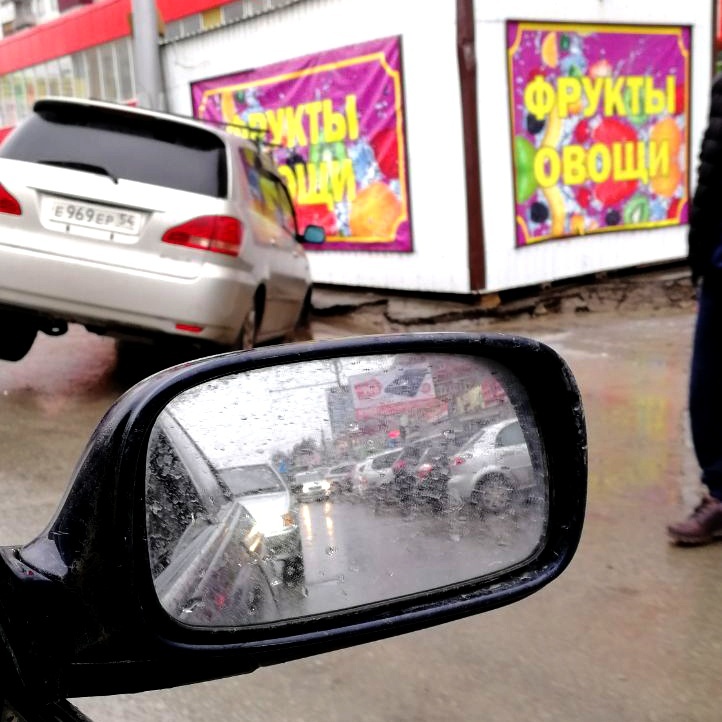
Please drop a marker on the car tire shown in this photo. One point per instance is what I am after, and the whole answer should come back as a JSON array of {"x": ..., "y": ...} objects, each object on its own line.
[
  {"x": 440, "y": 505},
  {"x": 294, "y": 573},
  {"x": 493, "y": 494},
  {"x": 302, "y": 330},
  {"x": 18, "y": 336},
  {"x": 247, "y": 336},
  {"x": 378, "y": 504}
]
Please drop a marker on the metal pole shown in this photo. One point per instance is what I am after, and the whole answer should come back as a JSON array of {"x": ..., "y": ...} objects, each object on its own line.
[{"x": 146, "y": 56}]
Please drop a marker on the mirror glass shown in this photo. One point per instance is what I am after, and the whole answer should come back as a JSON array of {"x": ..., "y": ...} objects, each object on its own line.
[{"x": 317, "y": 486}]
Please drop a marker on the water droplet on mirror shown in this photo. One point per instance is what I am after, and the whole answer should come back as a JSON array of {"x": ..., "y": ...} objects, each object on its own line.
[
  {"x": 191, "y": 605},
  {"x": 276, "y": 583},
  {"x": 330, "y": 551}
]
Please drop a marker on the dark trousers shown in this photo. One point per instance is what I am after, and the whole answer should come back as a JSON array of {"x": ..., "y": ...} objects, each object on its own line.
[{"x": 705, "y": 392}]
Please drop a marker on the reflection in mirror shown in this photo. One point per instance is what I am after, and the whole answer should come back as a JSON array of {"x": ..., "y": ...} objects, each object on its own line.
[{"x": 317, "y": 486}]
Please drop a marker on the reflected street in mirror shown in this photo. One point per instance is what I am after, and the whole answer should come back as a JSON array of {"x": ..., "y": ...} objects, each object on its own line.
[{"x": 317, "y": 486}]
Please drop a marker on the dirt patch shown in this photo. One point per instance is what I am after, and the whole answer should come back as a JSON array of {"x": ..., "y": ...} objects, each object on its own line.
[{"x": 366, "y": 312}]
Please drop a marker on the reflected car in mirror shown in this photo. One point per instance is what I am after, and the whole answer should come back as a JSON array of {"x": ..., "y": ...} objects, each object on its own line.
[
  {"x": 372, "y": 471},
  {"x": 265, "y": 495},
  {"x": 206, "y": 551},
  {"x": 312, "y": 485},
  {"x": 339, "y": 477},
  {"x": 493, "y": 470}
]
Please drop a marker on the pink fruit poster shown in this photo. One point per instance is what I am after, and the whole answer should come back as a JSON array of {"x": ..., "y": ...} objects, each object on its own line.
[
  {"x": 335, "y": 123},
  {"x": 600, "y": 126}
]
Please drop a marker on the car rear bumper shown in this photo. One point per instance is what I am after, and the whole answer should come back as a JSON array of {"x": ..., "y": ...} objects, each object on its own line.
[
  {"x": 105, "y": 295},
  {"x": 316, "y": 495}
]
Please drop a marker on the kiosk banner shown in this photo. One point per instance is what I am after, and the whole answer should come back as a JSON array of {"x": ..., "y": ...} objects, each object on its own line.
[
  {"x": 335, "y": 123},
  {"x": 600, "y": 125}
]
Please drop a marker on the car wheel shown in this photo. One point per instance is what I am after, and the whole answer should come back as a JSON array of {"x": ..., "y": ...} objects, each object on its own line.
[
  {"x": 247, "y": 338},
  {"x": 440, "y": 505},
  {"x": 17, "y": 337},
  {"x": 493, "y": 494},
  {"x": 302, "y": 332},
  {"x": 380, "y": 500},
  {"x": 294, "y": 572}
]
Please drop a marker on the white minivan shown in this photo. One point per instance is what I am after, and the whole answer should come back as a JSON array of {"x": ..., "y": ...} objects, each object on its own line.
[{"x": 141, "y": 224}]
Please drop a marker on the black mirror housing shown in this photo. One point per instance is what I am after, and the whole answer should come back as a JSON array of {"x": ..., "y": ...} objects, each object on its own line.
[{"x": 78, "y": 608}]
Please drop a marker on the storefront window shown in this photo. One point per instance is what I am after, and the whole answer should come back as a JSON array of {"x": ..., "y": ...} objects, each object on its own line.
[
  {"x": 53, "y": 69},
  {"x": 18, "y": 90},
  {"x": 94, "y": 73},
  {"x": 7, "y": 103},
  {"x": 42, "y": 88},
  {"x": 30, "y": 89},
  {"x": 125, "y": 69},
  {"x": 80, "y": 75},
  {"x": 67, "y": 84},
  {"x": 109, "y": 73}
]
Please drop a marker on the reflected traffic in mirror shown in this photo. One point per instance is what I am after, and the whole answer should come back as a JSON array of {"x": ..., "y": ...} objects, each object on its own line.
[{"x": 317, "y": 486}]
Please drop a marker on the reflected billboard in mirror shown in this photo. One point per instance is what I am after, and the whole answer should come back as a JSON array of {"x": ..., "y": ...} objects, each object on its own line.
[{"x": 317, "y": 486}]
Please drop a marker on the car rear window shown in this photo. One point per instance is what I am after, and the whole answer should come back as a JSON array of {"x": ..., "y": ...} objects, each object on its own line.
[
  {"x": 512, "y": 435},
  {"x": 385, "y": 461},
  {"x": 135, "y": 147},
  {"x": 344, "y": 469},
  {"x": 246, "y": 480}
]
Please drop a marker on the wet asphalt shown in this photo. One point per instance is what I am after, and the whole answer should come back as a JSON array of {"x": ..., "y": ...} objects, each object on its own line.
[{"x": 631, "y": 631}]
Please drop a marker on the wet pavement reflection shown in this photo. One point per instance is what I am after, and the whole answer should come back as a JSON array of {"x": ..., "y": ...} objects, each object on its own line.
[
  {"x": 355, "y": 555},
  {"x": 629, "y": 632}
]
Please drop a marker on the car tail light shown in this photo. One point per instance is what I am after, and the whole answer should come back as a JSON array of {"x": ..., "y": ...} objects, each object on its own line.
[
  {"x": 462, "y": 458},
  {"x": 423, "y": 471},
  {"x": 218, "y": 234},
  {"x": 8, "y": 203},
  {"x": 398, "y": 465}
]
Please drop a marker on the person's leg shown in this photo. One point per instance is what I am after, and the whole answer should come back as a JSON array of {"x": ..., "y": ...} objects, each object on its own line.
[
  {"x": 705, "y": 392},
  {"x": 705, "y": 410}
]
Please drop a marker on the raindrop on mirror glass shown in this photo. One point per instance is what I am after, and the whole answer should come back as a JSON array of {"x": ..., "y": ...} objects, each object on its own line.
[{"x": 191, "y": 605}]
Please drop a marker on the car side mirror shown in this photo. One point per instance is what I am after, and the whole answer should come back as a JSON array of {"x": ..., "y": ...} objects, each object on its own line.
[
  {"x": 199, "y": 538},
  {"x": 313, "y": 234}
]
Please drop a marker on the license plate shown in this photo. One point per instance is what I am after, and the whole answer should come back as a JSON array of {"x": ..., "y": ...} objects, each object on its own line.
[{"x": 92, "y": 215}]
